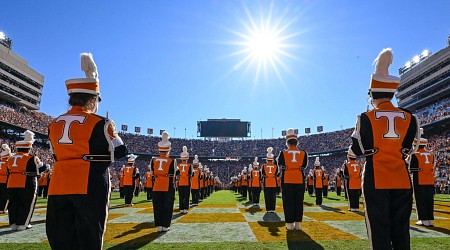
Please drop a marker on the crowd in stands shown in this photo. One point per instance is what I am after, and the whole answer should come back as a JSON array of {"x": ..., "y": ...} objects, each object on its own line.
[
  {"x": 244, "y": 150},
  {"x": 435, "y": 112},
  {"x": 32, "y": 120}
]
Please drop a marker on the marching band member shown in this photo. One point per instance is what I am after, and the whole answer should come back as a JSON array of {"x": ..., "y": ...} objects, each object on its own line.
[
  {"x": 269, "y": 172},
  {"x": 163, "y": 168},
  {"x": 352, "y": 172},
  {"x": 149, "y": 183},
  {"x": 326, "y": 180},
  {"x": 195, "y": 182},
  {"x": 292, "y": 162},
  {"x": 255, "y": 178},
  {"x": 120, "y": 177},
  {"x": 338, "y": 181},
  {"x": 310, "y": 183},
  {"x": 43, "y": 182},
  {"x": 22, "y": 185},
  {"x": 318, "y": 176},
  {"x": 201, "y": 176},
  {"x": 84, "y": 145},
  {"x": 184, "y": 173},
  {"x": 250, "y": 192},
  {"x": 5, "y": 154},
  {"x": 385, "y": 136},
  {"x": 130, "y": 173},
  {"x": 244, "y": 183},
  {"x": 137, "y": 184},
  {"x": 422, "y": 165}
]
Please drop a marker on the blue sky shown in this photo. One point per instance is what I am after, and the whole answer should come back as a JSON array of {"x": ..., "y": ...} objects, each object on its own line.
[{"x": 166, "y": 64}]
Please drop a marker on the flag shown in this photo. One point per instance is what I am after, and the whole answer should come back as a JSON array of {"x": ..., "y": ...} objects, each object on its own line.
[
  {"x": 150, "y": 131},
  {"x": 124, "y": 127},
  {"x": 307, "y": 130},
  {"x": 319, "y": 129},
  {"x": 137, "y": 129}
]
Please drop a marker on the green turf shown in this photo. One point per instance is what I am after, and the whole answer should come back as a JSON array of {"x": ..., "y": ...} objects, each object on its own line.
[{"x": 230, "y": 198}]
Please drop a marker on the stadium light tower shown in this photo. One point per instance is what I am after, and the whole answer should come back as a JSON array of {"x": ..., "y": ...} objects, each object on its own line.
[{"x": 6, "y": 41}]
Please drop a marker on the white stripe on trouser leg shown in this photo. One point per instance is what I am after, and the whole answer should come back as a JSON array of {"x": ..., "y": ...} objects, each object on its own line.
[{"x": 33, "y": 202}]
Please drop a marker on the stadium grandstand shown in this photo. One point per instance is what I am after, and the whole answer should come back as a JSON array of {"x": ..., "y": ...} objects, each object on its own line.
[
  {"x": 424, "y": 89},
  {"x": 20, "y": 85}
]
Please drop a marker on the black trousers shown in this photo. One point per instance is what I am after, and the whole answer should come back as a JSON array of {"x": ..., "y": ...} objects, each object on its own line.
[
  {"x": 256, "y": 193},
  {"x": 3, "y": 197},
  {"x": 423, "y": 196},
  {"x": 195, "y": 196},
  {"x": 318, "y": 196},
  {"x": 293, "y": 196},
  {"x": 128, "y": 192},
  {"x": 346, "y": 189},
  {"x": 78, "y": 221},
  {"x": 338, "y": 191},
  {"x": 353, "y": 197},
  {"x": 163, "y": 207},
  {"x": 42, "y": 191},
  {"x": 149, "y": 193},
  {"x": 270, "y": 198},
  {"x": 184, "y": 193},
  {"x": 137, "y": 190},
  {"x": 121, "y": 192},
  {"x": 325, "y": 191},
  {"x": 387, "y": 213},
  {"x": 244, "y": 191},
  {"x": 250, "y": 194},
  {"x": 21, "y": 204},
  {"x": 310, "y": 190}
]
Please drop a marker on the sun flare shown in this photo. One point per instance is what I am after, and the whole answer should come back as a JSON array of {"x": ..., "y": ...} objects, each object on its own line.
[{"x": 264, "y": 43}]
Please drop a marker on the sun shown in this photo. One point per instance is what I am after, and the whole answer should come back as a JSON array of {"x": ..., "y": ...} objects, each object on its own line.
[
  {"x": 264, "y": 45},
  {"x": 264, "y": 42}
]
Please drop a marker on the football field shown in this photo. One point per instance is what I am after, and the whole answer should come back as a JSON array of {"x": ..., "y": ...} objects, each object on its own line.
[{"x": 224, "y": 221}]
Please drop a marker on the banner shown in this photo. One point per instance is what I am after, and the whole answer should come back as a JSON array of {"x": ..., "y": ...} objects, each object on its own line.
[
  {"x": 137, "y": 129},
  {"x": 150, "y": 131},
  {"x": 283, "y": 133},
  {"x": 307, "y": 130},
  {"x": 124, "y": 127},
  {"x": 319, "y": 129}
]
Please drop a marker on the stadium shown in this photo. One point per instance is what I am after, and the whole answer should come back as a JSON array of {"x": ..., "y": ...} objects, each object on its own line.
[{"x": 225, "y": 146}]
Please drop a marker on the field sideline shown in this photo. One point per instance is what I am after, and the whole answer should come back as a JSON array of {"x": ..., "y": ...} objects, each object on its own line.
[{"x": 224, "y": 221}]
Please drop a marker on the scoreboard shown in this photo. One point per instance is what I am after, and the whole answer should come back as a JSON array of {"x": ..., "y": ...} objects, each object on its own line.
[{"x": 223, "y": 128}]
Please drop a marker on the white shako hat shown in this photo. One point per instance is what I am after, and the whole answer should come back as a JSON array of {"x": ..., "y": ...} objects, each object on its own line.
[
  {"x": 422, "y": 141},
  {"x": 200, "y": 165},
  {"x": 250, "y": 167},
  {"x": 269, "y": 154},
  {"x": 381, "y": 81},
  {"x": 132, "y": 158},
  {"x": 244, "y": 170},
  {"x": 88, "y": 85},
  {"x": 164, "y": 145},
  {"x": 27, "y": 141},
  {"x": 6, "y": 151},
  {"x": 185, "y": 154},
  {"x": 317, "y": 162},
  {"x": 290, "y": 134},
  {"x": 195, "y": 161},
  {"x": 256, "y": 163},
  {"x": 350, "y": 153}
]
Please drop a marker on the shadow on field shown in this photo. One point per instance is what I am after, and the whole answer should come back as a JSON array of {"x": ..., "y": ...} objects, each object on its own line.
[
  {"x": 272, "y": 227},
  {"x": 334, "y": 199},
  {"x": 301, "y": 240},
  {"x": 138, "y": 242},
  {"x": 331, "y": 209},
  {"x": 440, "y": 229}
]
